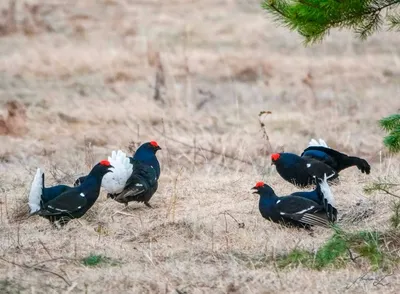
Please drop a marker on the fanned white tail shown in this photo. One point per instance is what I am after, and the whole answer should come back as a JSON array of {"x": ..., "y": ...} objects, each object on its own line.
[
  {"x": 35, "y": 194},
  {"x": 115, "y": 181},
  {"x": 326, "y": 190},
  {"x": 320, "y": 142}
]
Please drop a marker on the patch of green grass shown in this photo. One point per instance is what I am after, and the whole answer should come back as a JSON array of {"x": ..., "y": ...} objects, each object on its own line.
[
  {"x": 94, "y": 260},
  {"x": 343, "y": 248},
  {"x": 331, "y": 253},
  {"x": 295, "y": 258}
]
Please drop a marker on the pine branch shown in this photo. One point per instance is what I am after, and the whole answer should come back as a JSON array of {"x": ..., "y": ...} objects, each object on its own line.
[
  {"x": 390, "y": 122},
  {"x": 394, "y": 22},
  {"x": 313, "y": 19},
  {"x": 384, "y": 187},
  {"x": 392, "y": 140}
]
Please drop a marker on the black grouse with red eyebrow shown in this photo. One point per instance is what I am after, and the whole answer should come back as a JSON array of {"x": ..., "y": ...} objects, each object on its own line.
[
  {"x": 72, "y": 202},
  {"x": 315, "y": 161}
]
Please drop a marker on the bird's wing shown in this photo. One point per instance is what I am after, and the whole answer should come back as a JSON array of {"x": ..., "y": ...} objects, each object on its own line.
[
  {"x": 319, "y": 150},
  {"x": 52, "y": 192},
  {"x": 318, "y": 169},
  {"x": 115, "y": 181},
  {"x": 142, "y": 178},
  {"x": 68, "y": 202},
  {"x": 337, "y": 160},
  {"x": 140, "y": 170},
  {"x": 302, "y": 210},
  {"x": 79, "y": 181}
]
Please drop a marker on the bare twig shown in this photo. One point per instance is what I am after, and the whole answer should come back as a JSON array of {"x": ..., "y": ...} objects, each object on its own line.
[
  {"x": 159, "y": 79},
  {"x": 36, "y": 269},
  {"x": 45, "y": 248},
  {"x": 352, "y": 258},
  {"x": 122, "y": 213},
  {"x": 378, "y": 281},
  {"x": 388, "y": 192},
  {"x": 264, "y": 130},
  {"x": 240, "y": 224},
  {"x": 209, "y": 97}
]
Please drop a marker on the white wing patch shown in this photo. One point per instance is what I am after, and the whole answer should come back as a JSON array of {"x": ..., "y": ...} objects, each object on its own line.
[
  {"x": 308, "y": 164},
  {"x": 304, "y": 210},
  {"x": 114, "y": 182},
  {"x": 35, "y": 194},
  {"x": 58, "y": 209},
  {"x": 82, "y": 195},
  {"x": 320, "y": 143}
]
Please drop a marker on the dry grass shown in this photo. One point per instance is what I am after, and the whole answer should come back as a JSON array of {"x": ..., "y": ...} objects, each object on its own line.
[{"x": 193, "y": 75}]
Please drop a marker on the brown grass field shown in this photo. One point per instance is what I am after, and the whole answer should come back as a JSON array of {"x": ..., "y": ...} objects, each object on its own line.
[{"x": 92, "y": 76}]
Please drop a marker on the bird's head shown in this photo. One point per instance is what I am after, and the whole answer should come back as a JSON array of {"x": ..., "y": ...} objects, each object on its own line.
[
  {"x": 102, "y": 168},
  {"x": 263, "y": 189},
  {"x": 154, "y": 146},
  {"x": 148, "y": 147},
  {"x": 275, "y": 157}
]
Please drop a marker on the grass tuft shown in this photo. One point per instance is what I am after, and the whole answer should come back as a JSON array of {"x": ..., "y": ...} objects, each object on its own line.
[
  {"x": 295, "y": 258},
  {"x": 343, "y": 248},
  {"x": 395, "y": 218}
]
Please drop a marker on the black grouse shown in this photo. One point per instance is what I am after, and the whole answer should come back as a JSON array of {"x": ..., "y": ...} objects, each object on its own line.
[
  {"x": 133, "y": 178},
  {"x": 60, "y": 204},
  {"x": 315, "y": 161},
  {"x": 292, "y": 210}
]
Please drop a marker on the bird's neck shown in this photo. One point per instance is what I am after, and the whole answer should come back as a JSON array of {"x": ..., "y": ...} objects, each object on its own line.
[
  {"x": 267, "y": 199},
  {"x": 289, "y": 160},
  {"x": 91, "y": 184},
  {"x": 148, "y": 158}
]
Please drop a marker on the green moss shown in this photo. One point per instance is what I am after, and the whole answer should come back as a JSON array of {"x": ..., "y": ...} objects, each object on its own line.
[{"x": 96, "y": 260}]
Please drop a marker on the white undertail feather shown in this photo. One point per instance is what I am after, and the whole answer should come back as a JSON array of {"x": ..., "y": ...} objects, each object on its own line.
[
  {"x": 320, "y": 143},
  {"x": 35, "y": 194},
  {"x": 114, "y": 182},
  {"x": 326, "y": 190}
]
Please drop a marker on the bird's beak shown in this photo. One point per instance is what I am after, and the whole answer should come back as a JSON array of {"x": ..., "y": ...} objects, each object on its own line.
[
  {"x": 158, "y": 148},
  {"x": 272, "y": 162},
  {"x": 256, "y": 190}
]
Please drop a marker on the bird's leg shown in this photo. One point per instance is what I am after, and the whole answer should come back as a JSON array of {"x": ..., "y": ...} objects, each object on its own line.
[
  {"x": 57, "y": 225},
  {"x": 148, "y": 204}
]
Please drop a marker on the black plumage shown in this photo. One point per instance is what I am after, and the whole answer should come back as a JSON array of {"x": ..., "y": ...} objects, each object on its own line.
[
  {"x": 74, "y": 202},
  {"x": 290, "y": 210},
  {"x": 141, "y": 185},
  {"x": 134, "y": 178},
  {"x": 315, "y": 161}
]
